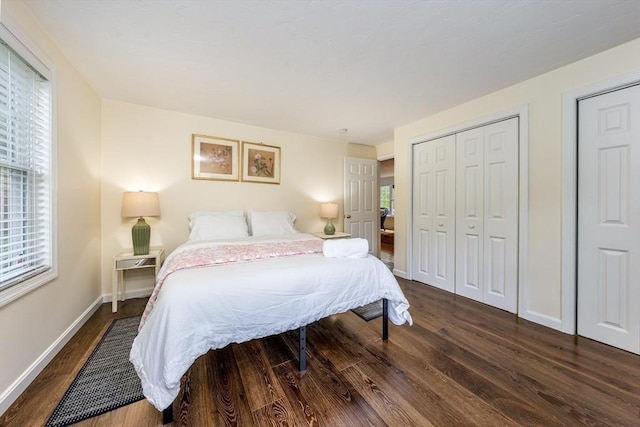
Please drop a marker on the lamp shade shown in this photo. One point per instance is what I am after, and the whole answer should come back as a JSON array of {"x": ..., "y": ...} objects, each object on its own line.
[
  {"x": 140, "y": 203},
  {"x": 328, "y": 210}
]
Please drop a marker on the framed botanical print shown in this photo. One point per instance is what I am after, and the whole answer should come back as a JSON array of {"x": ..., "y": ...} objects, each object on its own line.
[
  {"x": 215, "y": 158},
  {"x": 260, "y": 163}
]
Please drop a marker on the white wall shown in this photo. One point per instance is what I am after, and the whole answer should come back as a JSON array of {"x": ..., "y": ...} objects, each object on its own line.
[
  {"x": 34, "y": 322},
  {"x": 385, "y": 151},
  {"x": 361, "y": 151},
  {"x": 543, "y": 94},
  {"x": 150, "y": 149}
]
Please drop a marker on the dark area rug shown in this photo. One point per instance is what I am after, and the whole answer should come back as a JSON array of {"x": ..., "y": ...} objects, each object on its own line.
[
  {"x": 106, "y": 381},
  {"x": 369, "y": 311}
]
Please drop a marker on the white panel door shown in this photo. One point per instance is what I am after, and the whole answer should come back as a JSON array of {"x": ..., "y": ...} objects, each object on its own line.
[
  {"x": 422, "y": 215},
  {"x": 470, "y": 214},
  {"x": 487, "y": 214},
  {"x": 361, "y": 211},
  {"x": 434, "y": 213},
  {"x": 501, "y": 215},
  {"x": 609, "y": 218}
]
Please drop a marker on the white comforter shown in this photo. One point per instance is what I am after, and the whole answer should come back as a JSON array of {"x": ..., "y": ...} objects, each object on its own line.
[{"x": 207, "y": 308}]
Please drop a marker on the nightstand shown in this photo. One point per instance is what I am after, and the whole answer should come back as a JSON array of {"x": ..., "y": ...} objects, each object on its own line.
[
  {"x": 336, "y": 235},
  {"x": 129, "y": 261}
]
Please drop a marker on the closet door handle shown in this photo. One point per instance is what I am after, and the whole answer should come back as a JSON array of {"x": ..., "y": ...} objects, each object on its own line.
[
  {"x": 472, "y": 226},
  {"x": 440, "y": 224}
]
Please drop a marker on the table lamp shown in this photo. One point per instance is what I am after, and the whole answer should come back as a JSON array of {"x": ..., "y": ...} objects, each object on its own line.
[
  {"x": 329, "y": 211},
  {"x": 140, "y": 204}
]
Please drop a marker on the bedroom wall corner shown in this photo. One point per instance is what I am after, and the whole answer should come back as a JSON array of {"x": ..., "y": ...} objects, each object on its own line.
[
  {"x": 35, "y": 326},
  {"x": 150, "y": 149}
]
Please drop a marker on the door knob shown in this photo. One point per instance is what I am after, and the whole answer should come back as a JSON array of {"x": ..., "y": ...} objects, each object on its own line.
[
  {"x": 472, "y": 226},
  {"x": 440, "y": 224},
  {"x": 347, "y": 216}
]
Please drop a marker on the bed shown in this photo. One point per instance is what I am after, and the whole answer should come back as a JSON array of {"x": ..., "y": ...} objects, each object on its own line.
[{"x": 213, "y": 292}]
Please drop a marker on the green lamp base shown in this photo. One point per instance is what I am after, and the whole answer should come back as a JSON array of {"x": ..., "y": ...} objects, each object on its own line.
[
  {"x": 329, "y": 229},
  {"x": 141, "y": 234}
]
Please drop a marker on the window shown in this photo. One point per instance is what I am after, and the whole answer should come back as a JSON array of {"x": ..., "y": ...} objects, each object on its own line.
[
  {"x": 26, "y": 172},
  {"x": 386, "y": 198}
]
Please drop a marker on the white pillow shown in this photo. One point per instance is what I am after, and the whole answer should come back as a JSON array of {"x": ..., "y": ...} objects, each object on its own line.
[
  {"x": 218, "y": 228},
  {"x": 214, "y": 214},
  {"x": 272, "y": 223}
]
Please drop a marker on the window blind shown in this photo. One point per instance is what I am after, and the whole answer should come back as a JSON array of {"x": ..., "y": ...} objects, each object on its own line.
[{"x": 25, "y": 170}]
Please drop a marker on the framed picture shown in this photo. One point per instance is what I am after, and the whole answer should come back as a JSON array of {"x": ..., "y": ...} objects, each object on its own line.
[
  {"x": 260, "y": 163},
  {"x": 215, "y": 158}
]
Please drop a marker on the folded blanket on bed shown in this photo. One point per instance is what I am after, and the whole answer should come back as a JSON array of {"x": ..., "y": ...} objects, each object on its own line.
[{"x": 346, "y": 248}]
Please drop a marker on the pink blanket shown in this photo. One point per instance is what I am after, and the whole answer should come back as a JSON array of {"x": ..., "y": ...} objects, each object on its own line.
[{"x": 209, "y": 256}]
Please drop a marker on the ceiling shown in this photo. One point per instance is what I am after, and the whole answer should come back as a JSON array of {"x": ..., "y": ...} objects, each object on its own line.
[{"x": 316, "y": 67}]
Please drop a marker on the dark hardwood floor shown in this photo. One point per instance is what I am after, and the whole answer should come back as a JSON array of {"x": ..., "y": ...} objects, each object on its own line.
[{"x": 461, "y": 363}]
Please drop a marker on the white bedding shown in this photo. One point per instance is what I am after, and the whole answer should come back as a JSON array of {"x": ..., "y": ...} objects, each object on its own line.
[{"x": 207, "y": 308}]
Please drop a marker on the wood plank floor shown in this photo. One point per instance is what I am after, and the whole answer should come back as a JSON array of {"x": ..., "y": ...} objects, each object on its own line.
[{"x": 461, "y": 363}]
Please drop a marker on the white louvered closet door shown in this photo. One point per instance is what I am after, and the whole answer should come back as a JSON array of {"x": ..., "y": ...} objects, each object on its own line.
[{"x": 487, "y": 214}]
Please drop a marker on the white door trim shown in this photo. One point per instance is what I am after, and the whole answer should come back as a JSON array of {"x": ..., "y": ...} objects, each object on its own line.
[
  {"x": 569, "y": 190},
  {"x": 521, "y": 111}
]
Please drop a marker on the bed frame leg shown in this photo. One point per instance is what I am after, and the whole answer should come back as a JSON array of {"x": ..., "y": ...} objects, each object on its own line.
[
  {"x": 385, "y": 319},
  {"x": 302, "y": 347},
  {"x": 167, "y": 414}
]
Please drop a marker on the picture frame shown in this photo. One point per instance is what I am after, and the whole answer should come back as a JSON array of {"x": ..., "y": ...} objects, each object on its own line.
[
  {"x": 215, "y": 158},
  {"x": 260, "y": 163}
]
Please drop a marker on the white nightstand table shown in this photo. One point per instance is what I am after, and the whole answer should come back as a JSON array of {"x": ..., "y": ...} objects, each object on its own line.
[
  {"x": 129, "y": 261},
  {"x": 336, "y": 235}
]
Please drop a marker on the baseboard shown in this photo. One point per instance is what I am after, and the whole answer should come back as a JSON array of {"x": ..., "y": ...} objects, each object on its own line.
[
  {"x": 20, "y": 385},
  {"x": 400, "y": 273},
  {"x": 134, "y": 293}
]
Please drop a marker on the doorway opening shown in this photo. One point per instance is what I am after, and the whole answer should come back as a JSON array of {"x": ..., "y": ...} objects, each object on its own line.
[{"x": 387, "y": 209}]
